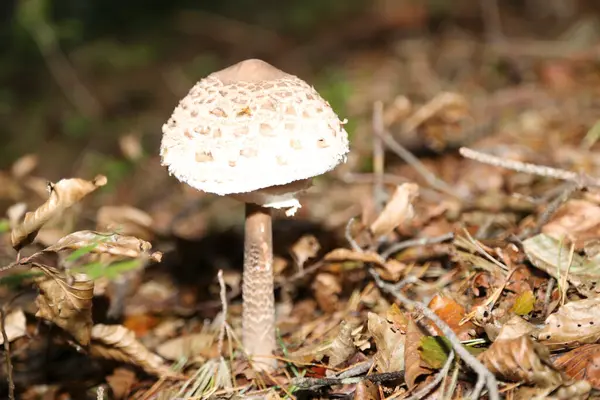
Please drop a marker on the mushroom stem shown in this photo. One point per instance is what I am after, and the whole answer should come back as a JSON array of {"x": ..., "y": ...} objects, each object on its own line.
[{"x": 258, "y": 318}]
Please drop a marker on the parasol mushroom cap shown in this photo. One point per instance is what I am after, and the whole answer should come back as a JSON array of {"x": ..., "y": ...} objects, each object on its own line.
[{"x": 249, "y": 127}]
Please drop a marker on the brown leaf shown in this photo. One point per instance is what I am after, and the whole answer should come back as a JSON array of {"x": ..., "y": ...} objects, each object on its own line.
[
  {"x": 125, "y": 220},
  {"x": 66, "y": 302},
  {"x": 521, "y": 360},
  {"x": 451, "y": 313},
  {"x": 342, "y": 347},
  {"x": 326, "y": 289},
  {"x": 366, "y": 390},
  {"x": 121, "y": 382},
  {"x": 389, "y": 343},
  {"x": 195, "y": 346},
  {"x": 24, "y": 165},
  {"x": 582, "y": 363},
  {"x": 397, "y": 211},
  {"x": 515, "y": 328},
  {"x": 115, "y": 342},
  {"x": 342, "y": 254},
  {"x": 63, "y": 194},
  {"x": 412, "y": 356},
  {"x": 574, "y": 324},
  {"x": 304, "y": 249},
  {"x": 15, "y": 326},
  {"x": 113, "y": 244},
  {"x": 577, "y": 220}
]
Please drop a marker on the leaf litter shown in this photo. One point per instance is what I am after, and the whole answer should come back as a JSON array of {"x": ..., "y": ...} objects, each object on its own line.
[{"x": 464, "y": 272}]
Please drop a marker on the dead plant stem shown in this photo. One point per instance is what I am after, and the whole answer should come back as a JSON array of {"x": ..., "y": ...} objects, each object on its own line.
[{"x": 7, "y": 357}]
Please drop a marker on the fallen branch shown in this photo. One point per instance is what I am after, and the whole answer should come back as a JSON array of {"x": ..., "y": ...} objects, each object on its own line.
[{"x": 316, "y": 383}]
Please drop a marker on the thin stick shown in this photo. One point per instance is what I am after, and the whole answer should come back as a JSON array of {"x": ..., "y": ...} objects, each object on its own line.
[
  {"x": 415, "y": 242},
  {"x": 414, "y": 162},
  {"x": 580, "y": 179},
  {"x": 484, "y": 376},
  {"x": 378, "y": 157},
  {"x": 315, "y": 383},
  {"x": 224, "y": 311},
  {"x": 9, "y": 366}
]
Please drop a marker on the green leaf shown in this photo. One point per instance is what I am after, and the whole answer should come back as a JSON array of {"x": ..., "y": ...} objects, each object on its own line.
[
  {"x": 4, "y": 225},
  {"x": 434, "y": 350}
]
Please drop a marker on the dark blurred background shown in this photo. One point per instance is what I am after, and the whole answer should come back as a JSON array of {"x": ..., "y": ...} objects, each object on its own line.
[{"x": 83, "y": 80}]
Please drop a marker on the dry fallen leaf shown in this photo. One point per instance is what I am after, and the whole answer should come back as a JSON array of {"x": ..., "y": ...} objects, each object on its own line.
[
  {"x": 66, "y": 302},
  {"x": 514, "y": 328},
  {"x": 577, "y": 220},
  {"x": 451, "y": 313},
  {"x": 574, "y": 324},
  {"x": 342, "y": 254},
  {"x": 194, "y": 347},
  {"x": 131, "y": 146},
  {"x": 521, "y": 360},
  {"x": 398, "y": 210},
  {"x": 15, "y": 326},
  {"x": 125, "y": 220},
  {"x": 524, "y": 303},
  {"x": 326, "y": 289},
  {"x": 366, "y": 390},
  {"x": 115, "y": 342},
  {"x": 342, "y": 347},
  {"x": 24, "y": 165},
  {"x": 114, "y": 244},
  {"x": 415, "y": 368},
  {"x": 304, "y": 249},
  {"x": 63, "y": 194},
  {"x": 389, "y": 343},
  {"x": 582, "y": 363},
  {"x": 553, "y": 257},
  {"x": 121, "y": 382}
]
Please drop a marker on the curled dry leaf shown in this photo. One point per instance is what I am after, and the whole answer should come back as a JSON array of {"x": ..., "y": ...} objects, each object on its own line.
[
  {"x": 15, "y": 326},
  {"x": 304, "y": 249},
  {"x": 553, "y": 257},
  {"x": 521, "y": 360},
  {"x": 115, "y": 342},
  {"x": 66, "y": 302},
  {"x": 15, "y": 214},
  {"x": 342, "y": 347},
  {"x": 398, "y": 210},
  {"x": 342, "y": 254},
  {"x": 389, "y": 342},
  {"x": 125, "y": 220},
  {"x": 326, "y": 290},
  {"x": 113, "y": 244},
  {"x": 582, "y": 363},
  {"x": 574, "y": 324},
  {"x": 63, "y": 194},
  {"x": 578, "y": 390},
  {"x": 415, "y": 368}
]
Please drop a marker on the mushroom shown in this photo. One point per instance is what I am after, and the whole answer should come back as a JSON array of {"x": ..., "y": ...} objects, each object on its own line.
[{"x": 258, "y": 134}]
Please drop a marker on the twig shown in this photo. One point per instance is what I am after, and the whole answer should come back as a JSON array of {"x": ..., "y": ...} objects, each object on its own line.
[
  {"x": 582, "y": 180},
  {"x": 414, "y": 162},
  {"x": 355, "y": 370},
  {"x": 349, "y": 238},
  {"x": 316, "y": 383},
  {"x": 379, "y": 194},
  {"x": 224, "y": 311},
  {"x": 9, "y": 366},
  {"x": 484, "y": 376},
  {"x": 416, "y": 242},
  {"x": 436, "y": 381}
]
